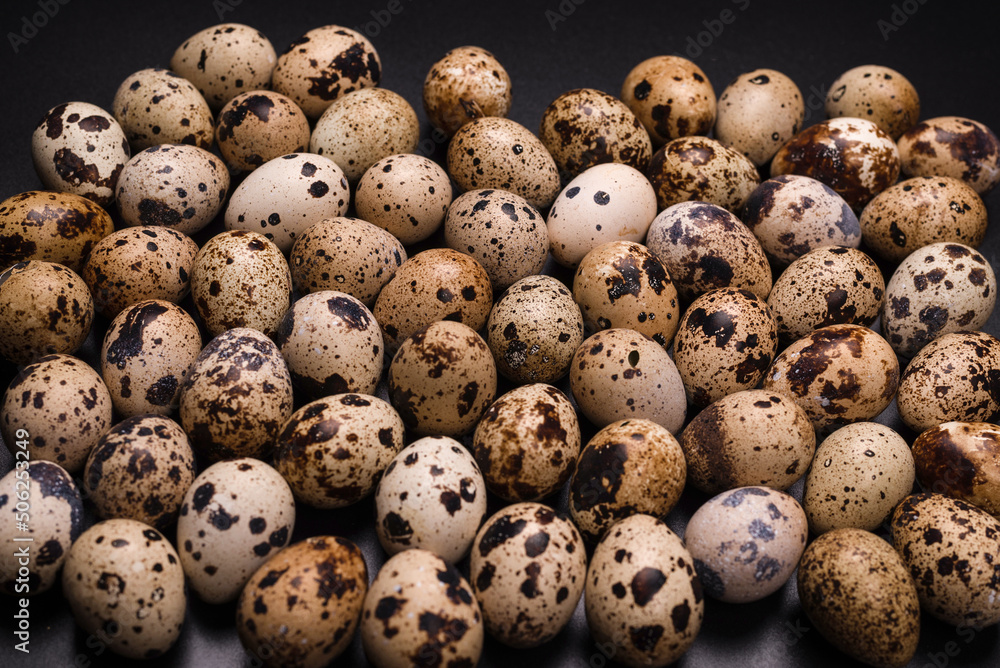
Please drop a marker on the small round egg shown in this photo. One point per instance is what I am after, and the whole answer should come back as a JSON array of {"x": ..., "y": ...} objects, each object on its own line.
[
  {"x": 467, "y": 83},
  {"x": 701, "y": 169},
  {"x": 952, "y": 146},
  {"x": 406, "y": 194},
  {"x": 878, "y": 94},
  {"x": 671, "y": 96},
  {"x": 758, "y": 112},
  {"x": 961, "y": 460},
  {"x": 156, "y": 106},
  {"x": 258, "y": 126}
]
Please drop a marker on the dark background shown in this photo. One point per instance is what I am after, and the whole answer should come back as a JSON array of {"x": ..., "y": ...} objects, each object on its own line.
[{"x": 946, "y": 49}]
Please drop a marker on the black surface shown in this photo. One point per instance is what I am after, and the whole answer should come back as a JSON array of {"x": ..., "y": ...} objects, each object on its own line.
[{"x": 948, "y": 50}]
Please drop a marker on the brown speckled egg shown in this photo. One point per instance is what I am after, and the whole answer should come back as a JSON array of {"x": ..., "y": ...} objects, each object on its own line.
[
  {"x": 876, "y": 93},
  {"x": 301, "y": 608},
  {"x": 527, "y": 443},
  {"x": 671, "y": 96},
  {"x": 619, "y": 374},
  {"x": 333, "y": 451},
  {"x": 642, "y": 595},
  {"x": 839, "y": 374},
  {"x": 705, "y": 247},
  {"x": 936, "y": 290},
  {"x": 420, "y": 606},
  {"x": 851, "y": 155},
  {"x": 922, "y": 211},
  {"x": 534, "y": 329},
  {"x": 46, "y": 309},
  {"x": 953, "y": 552},
  {"x": 827, "y": 286},
  {"x": 758, "y": 112},
  {"x": 437, "y": 284},
  {"x": 258, "y": 126},
  {"x": 725, "y": 342},
  {"x": 528, "y": 569},
  {"x": 961, "y": 460},
  {"x": 499, "y": 153},
  {"x": 406, "y": 194},
  {"x": 147, "y": 351},
  {"x": 156, "y": 106},
  {"x": 859, "y": 474},
  {"x": 701, "y": 169},
  {"x": 860, "y": 597},
  {"x": 362, "y": 127},
  {"x": 502, "y": 231},
  {"x": 752, "y": 437},
  {"x": 236, "y": 396},
  {"x": 50, "y": 226},
  {"x": 952, "y": 146},
  {"x": 746, "y": 543},
  {"x": 467, "y": 83},
  {"x": 433, "y": 497}
]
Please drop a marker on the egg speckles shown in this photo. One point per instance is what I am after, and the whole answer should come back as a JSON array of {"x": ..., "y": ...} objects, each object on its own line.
[
  {"x": 701, "y": 169},
  {"x": 758, "y": 112},
  {"x": 258, "y": 126},
  {"x": 405, "y": 194},
  {"x": 468, "y": 82},
  {"x": 157, "y": 106},
  {"x": 961, "y": 460},
  {"x": 952, "y": 146},
  {"x": 879, "y": 94},
  {"x": 671, "y": 96}
]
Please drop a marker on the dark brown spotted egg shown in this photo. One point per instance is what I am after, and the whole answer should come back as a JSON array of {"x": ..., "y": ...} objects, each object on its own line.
[
  {"x": 467, "y": 83},
  {"x": 758, "y": 112},
  {"x": 405, "y": 194},
  {"x": 156, "y": 106},
  {"x": 952, "y": 146},
  {"x": 671, "y": 96},
  {"x": 258, "y": 126},
  {"x": 878, "y": 94},
  {"x": 961, "y": 460},
  {"x": 701, "y": 169}
]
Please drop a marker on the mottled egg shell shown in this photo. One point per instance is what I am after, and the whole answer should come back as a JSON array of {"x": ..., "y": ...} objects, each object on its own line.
[
  {"x": 746, "y": 543},
  {"x": 701, "y": 169},
  {"x": 725, "y": 342},
  {"x": 952, "y": 146},
  {"x": 859, "y": 595},
  {"x": 758, "y": 112},
  {"x": 953, "y": 552},
  {"x": 502, "y": 231},
  {"x": 69, "y": 411},
  {"x": 961, "y": 460},
  {"x": 56, "y": 520},
  {"x": 421, "y": 610},
  {"x": 46, "y": 309},
  {"x": 753, "y": 437},
  {"x": 879, "y": 94},
  {"x": 433, "y": 497},
  {"x": 642, "y": 595},
  {"x": 936, "y": 290},
  {"x": 534, "y": 329},
  {"x": 442, "y": 379},
  {"x": 235, "y": 515},
  {"x": 527, "y": 443},
  {"x": 301, "y": 608},
  {"x": 79, "y": 148},
  {"x": 406, "y": 194},
  {"x": 122, "y": 575},
  {"x": 285, "y": 196},
  {"x": 50, "y": 226},
  {"x": 705, "y": 247},
  {"x": 468, "y": 82},
  {"x": 499, "y": 153},
  {"x": 258, "y": 126},
  {"x": 859, "y": 474},
  {"x": 140, "y": 470},
  {"x": 156, "y": 106},
  {"x": 608, "y": 202},
  {"x": 671, "y": 96},
  {"x": 922, "y": 211},
  {"x": 236, "y": 396}
]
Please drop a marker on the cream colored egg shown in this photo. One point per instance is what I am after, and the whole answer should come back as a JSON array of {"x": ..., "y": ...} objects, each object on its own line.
[
  {"x": 758, "y": 112},
  {"x": 961, "y": 460},
  {"x": 258, "y": 126},
  {"x": 406, "y": 194},
  {"x": 467, "y": 83},
  {"x": 878, "y": 94},
  {"x": 671, "y": 96},
  {"x": 156, "y": 106},
  {"x": 952, "y": 146}
]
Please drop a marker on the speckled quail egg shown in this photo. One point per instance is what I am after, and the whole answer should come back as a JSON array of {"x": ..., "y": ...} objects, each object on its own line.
[
  {"x": 961, "y": 460},
  {"x": 55, "y": 521},
  {"x": 502, "y": 231},
  {"x": 791, "y": 215},
  {"x": 859, "y": 474},
  {"x": 746, "y": 543},
  {"x": 758, "y": 112},
  {"x": 46, "y": 309},
  {"x": 752, "y": 437},
  {"x": 527, "y": 443},
  {"x": 420, "y": 610},
  {"x": 301, "y": 608},
  {"x": 878, "y": 94},
  {"x": 922, "y": 211},
  {"x": 936, "y": 290},
  {"x": 952, "y": 146},
  {"x": 258, "y": 126},
  {"x": 79, "y": 148},
  {"x": 467, "y": 83},
  {"x": 235, "y": 516},
  {"x": 705, "y": 247},
  {"x": 642, "y": 595},
  {"x": 50, "y": 226},
  {"x": 236, "y": 396},
  {"x": 499, "y": 153},
  {"x": 860, "y": 597},
  {"x": 608, "y": 202},
  {"x": 125, "y": 586},
  {"x": 953, "y": 552},
  {"x": 406, "y": 194},
  {"x": 671, "y": 96},
  {"x": 156, "y": 106},
  {"x": 139, "y": 263},
  {"x": 701, "y": 169},
  {"x": 433, "y": 497},
  {"x": 241, "y": 279},
  {"x": 534, "y": 329},
  {"x": 140, "y": 470},
  {"x": 725, "y": 342}
]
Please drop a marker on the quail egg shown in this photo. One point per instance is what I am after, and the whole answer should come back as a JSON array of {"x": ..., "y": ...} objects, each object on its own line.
[
  {"x": 467, "y": 83},
  {"x": 671, "y": 96},
  {"x": 952, "y": 146},
  {"x": 758, "y": 112},
  {"x": 406, "y": 194},
  {"x": 156, "y": 106},
  {"x": 701, "y": 169},
  {"x": 960, "y": 460},
  {"x": 258, "y": 126},
  {"x": 878, "y": 94}
]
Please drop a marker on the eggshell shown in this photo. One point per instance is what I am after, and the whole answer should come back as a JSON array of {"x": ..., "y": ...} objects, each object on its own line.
[
  {"x": 671, "y": 96},
  {"x": 952, "y": 146},
  {"x": 758, "y": 112},
  {"x": 258, "y": 126},
  {"x": 961, "y": 460},
  {"x": 878, "y": 94},
  {"x": 701, "y": 169},
  {"x": 156, "y": 106},
  {"x": 468, "y": 82},
  {"x": 405, "y": 194}
]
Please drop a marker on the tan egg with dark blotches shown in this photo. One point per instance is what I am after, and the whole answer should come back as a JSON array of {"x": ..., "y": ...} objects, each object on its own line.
[
  {"x": 758, "y": 112},
  {"x": 671, "y": 96},
  {"x": 156, "y": 106},
  {"x": 406, "y": 194},
  {"x": 701, "y": 169},
  {"x": 466, "y": 84},
  {"x": 952, "y": 146},
  {"x": 878, "y": 94},
  {"x": 961, "y": 460},
  {"x": 258, "y": 126}
]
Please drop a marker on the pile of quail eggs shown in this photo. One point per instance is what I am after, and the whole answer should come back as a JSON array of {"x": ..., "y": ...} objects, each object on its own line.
[{"x": 352, "y": 310}]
